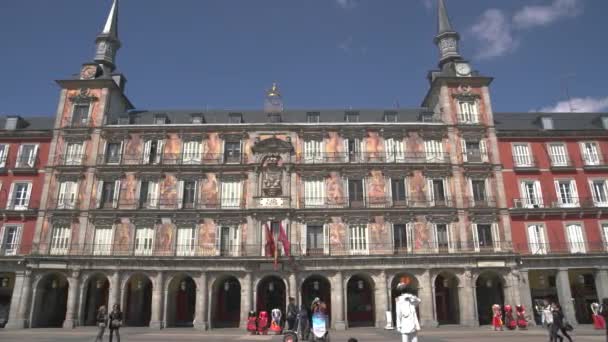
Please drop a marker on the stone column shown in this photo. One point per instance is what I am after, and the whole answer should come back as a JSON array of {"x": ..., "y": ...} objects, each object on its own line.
[
  {"x": 200, "y": 319},
  {"x": 114, "y": 291},
  {"x": 381, "y": 300},
  {"x": 601, "y": 283},
  {"x": 246, "y": 298},
  {"x": 425, "y": 293},
  {"x": 20, "y": 301},
  {"x": 71, "y": 314},
  {"x": 293, "y": 287},
  {"x": 466, "y": 300},
  {"x": 511, "y": 289},
  {"x": 157, "y": 302},
  {"x": 564, "y": 295},
  {"x": 337, "y": 301},
  {"x": 525, "y": 294}
]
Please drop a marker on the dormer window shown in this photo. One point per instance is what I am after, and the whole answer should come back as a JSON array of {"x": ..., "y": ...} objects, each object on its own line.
[
  {"x": 235, "y": 118},
  {"x": 313, "y": 117},
  {"x": 11, "y": 123},
  {"x": 547, "y": 122},
  {"x": 605, "y": 122},
  {"x": 274, "y": 117},
  {"x": 351, "y": 117},
  {"x": 197, "y": 119},
  {"x": 160, "y": 119},
  {"x": 390, "y": 117}
]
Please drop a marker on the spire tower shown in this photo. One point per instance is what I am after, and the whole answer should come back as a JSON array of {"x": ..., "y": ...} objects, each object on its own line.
[
  {"x": 107, "y": 41},
  {"x": 447, "y": 38}
]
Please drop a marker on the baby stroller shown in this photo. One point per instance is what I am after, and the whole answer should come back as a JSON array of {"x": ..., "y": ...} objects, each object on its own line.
[{"x": 319, "y": 328}]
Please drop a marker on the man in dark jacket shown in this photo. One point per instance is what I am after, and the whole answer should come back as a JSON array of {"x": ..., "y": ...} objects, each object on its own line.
[
  {"x": 557, "y": 325},
  {"x": 292, "y": 312},
  {"x": 604, "y": 313}
]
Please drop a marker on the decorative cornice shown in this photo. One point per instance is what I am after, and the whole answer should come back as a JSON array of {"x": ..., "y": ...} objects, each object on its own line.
[
  {"x": 115, "y": 136},
  {"x": 74, "y": 137},
  {"x": 433, "y": 134},
  {"x": 234, "y": 135},
  {"x": 353, "y": 133},
  {"x": 232, "y": 176},
  {"x": 487, "y": 218},
  {"x": 70, "y": 177},
  {"x": 442, "y": 218},
  {"x": 83, "y": 96},
  {"x": 437, "y": 173}
]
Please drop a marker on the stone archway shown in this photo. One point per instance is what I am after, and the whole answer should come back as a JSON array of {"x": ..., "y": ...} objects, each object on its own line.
[
  {"x": 7, "y": 283},
  {"x": 96, "y": 294},
  {"x": 360, "y": 301},
  {"x": 412, "y": 287},
  {"x": 447, "y": 306},
  {"x": 51, "y": 301},
  {"x": 138, "y": 301},
  {"x": 271, "y": 293},
  {"x": 226, "y": 303},
  {"x": 316, "y": 286},
  {"x": 181, "y": 301},
  {"x": 489, "y": 291},
  {"x": 584, "y": 292}
]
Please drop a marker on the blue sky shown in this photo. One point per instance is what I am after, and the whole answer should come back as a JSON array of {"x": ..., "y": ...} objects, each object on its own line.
[{"x": 183, "y": 54}]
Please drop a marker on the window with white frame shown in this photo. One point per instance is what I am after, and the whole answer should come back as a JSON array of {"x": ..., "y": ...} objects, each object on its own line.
[
  {"x": 433, "y": 150},
  {"x": 144, "y": 241},
  {"x": 19, "y": 196},
  {"x": 353, "y": 146},
  {"x": 230, "y": 196},
  {"x": 187, "y": 194},
  {"x": 153, "y": 151},
  {"x": 399, "y": 191},
  {"x": 442, "y": 237},
  {"x": 469, "y": 113},
  {"x": 486, "y": 236},
  {"x": 80, "y": 114},
  {"x": 576, "y": 238},
  {"x": 4, "y": 148},
  {"x": 149, "y": 192},
  {"x": 10, "y": 236},
  {"x": 113, "y": 152},
  {"x": 103, "y": 240},
  {"x": 192, "y": 152},
  {"x": 437, "y": 192},
  {"x": 478, "y": 192},
  {"x": 536, "y": 239},
  {"x": 474, "y": 151},
  {"x": 68, "y": 195},
  {"x": 558, "y": 154},
  {"x": 591, "y": 154},
  {"x": 60, "y": 240},
  {"x": 358, "y": 239},
  {"x": 186, "y": 241},
  {"x": 232, "y": 151},
  {"x": 599, "y": 192},
  {"x": 229, "y": 240},
  {"x": 313, "y": 151},
  {"x": 567, "y": 195},
  {"x": 531, "y": 194},
  {"x": 26, "y": 157},
  {"x": 604, "y": 228},
  {"x": 74, "y": 153},
  {"x": 317, "y": 239},
  {"x": 521, "y": 155},
  {"x": 314, "y": 192},
  {"x": 394, "y": 150},
  {"x": 108, "y": 193},
  {"x": 403, "y": 237}
]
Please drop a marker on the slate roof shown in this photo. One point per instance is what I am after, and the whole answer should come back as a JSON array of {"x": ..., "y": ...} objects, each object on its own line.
[
  {"x": 561, "y": 121},
  {"x": 31, "y": 123}
]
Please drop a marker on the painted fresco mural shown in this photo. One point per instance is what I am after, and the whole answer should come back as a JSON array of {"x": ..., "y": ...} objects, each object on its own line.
[
  {"x": 128, "y": 193},
  {"x": 334, "y": 147},
  {"x": 335, "y": 191},
  {"x": 168, "y": 192},
  {"x": 379, "y": 236},
  {"x": 96, "y": 114},
  {"x": 172, "y": 151},
  {"x": 376, "y": 188},
  {"x": 165, "y": 237},
  {"x": 213, "y": 148},
  {"x": 209, "y": 190},
  {"x": 206, "y": 236},
  {"x": 337, "y": 235},
  {"x": 122, "y": 237},
  {"x": 133, "y": 149},
  {"x": 374, "y": 147}
]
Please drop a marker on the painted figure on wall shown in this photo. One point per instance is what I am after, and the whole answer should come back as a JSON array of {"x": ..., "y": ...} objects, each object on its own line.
[
  {"x": 123, "y": 237},
  {"x": 207, "y": 231},
  {"x": 334, "y": 146},
  {"x": 271, "y": 178},
  {"x": 172, "y": 148},
  {"x": 248, "y": 149},
  {"x": 133, "y": 149},
  {"x": 213, "y": 148},
  {"x": 168, "y": 191},
  {"x": 376, "y": 187},
  {"x": 418, "y": 188},
  {"x": 335, "y": 189},
  {"x": 374, "y": 146},
  {"x": 421, "y": 235},
  {"x": 209, "y": 190},
  {"x": 130, "y": 189},
  {"x": 165, "y": 237},
  {"x": 379, "y": 232},
  {"x": 337, "y": 233}
]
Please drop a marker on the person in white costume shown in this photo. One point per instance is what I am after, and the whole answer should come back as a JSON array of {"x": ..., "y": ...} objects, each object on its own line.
[{"x": 407, "y": 319}]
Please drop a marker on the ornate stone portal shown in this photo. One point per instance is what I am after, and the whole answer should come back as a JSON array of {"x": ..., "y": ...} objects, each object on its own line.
[{"x": 273, "y": 154}]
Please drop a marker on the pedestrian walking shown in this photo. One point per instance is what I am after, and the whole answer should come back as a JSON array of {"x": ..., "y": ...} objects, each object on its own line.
[
  {"x": 115, "y": 322},
  {"x": 546, "y": 317},
  {"x": 557, "y": 325},
  {"x": 565, "y": 326},
  {"x": 292, "y": 313},
  {"x": 604, "y": 313},
  {"x": 102, "y": 321}
]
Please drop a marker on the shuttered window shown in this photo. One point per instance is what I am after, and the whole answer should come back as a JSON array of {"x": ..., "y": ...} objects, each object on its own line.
[
  {"x": 434, "y": 151},
  {"x": 521, "y": 155},
  {"x": 558, "y": 154},
  {"x": 599, "y": 192},
  {"x": 186, "y": 241},
  {"x": 19, "y": 196},
  {"x": 313, "y": 151},
  {"x": 68, "y": 195},
  {"x": 153, "y": 151},
  {"x": 229, "y": 240},
  {"x": 394, "y": 150},
  {"x": 566, "y": 192},
  {"x": 26, "y": 157},
  {"x": 531, "y": 195},
  {"x": 605, "y": 235},
  {"x": 468, "y": 112},
  {"x": 10, "y": 237},
  {"x": 358, "y": 239},
  {"x": 60, "y": 240},
  {"x": 144, "y": 240},
  {"x": 590, "y": 152},
  {"x": 231, "y": 194},
  {"x": 103, "y": 241},
  {"x": 576, "y": 239},
  {"x": 314, "y": 193},
  {"x": 4, "y": 148},
  {"x": 536, "y": 239},
  {"x": 191, "y": 153},
  {"x": 73, "y": 154}
]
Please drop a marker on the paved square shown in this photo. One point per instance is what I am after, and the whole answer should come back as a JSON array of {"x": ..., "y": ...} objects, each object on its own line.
[{"x": 445, "y": 334}]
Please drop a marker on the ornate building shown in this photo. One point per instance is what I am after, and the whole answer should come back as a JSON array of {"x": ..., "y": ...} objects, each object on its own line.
[{"x": 174, "y": 214}]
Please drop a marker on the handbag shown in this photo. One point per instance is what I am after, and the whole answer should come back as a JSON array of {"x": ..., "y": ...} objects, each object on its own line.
[
  {"x": 116, "y": 323},
  {"x": 102, "y": 325}
]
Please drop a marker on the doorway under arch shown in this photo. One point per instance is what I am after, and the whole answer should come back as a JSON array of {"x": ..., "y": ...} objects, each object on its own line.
[
  {"x": 489, "y": 291},
  {"x": 51, "y": 301},
  {"x": 226, "y": 306},
  {"x": 412, "y": 288},
  {"x": 271, "y": 294},
  {"x": 181, "y": 301},
  {"x": 360, "y": 301},
  {"x": 316, "y": 286},
  {"x": 96, "y": 295},
  {"x": 138, "y": 301},
  {"x": 7, "y": 283},
  {"x": 447, "y": 304}
]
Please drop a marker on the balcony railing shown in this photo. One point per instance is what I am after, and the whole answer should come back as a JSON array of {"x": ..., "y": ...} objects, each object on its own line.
[
  {"x": 474, "y": 156},
  {"x": 576, "y": 247},
  {"x": 488, "y": 202},
  {"x": 525, "y": 163},
  {"x": 570, "y": 202},
  {"x": 170, "y": 204},
  {"x": 63, "y": 204},
  {"x": 71, "y": 160},
  {"x": 79, "y": 122},
  {"x": 594, "y": 161},
  {"x": 560, "y": 162},
  {"x": 171, "y": 159},
  {"x": 26, "y": 163},
  {"x": 19, "y": 205},
  {"x": 371, "y": 202},
  {"x": 258, "y": 250}
]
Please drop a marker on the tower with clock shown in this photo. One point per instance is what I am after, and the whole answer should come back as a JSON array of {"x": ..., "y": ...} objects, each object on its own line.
[
  {"x": 447, "y": 40},
  {"x": 273, "y": 104}
]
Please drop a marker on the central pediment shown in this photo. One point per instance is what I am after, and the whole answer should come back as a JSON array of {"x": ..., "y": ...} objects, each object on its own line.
[{"x": 272, "y": 145}]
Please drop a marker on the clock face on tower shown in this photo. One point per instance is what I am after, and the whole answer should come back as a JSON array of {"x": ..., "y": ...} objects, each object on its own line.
[{"x": 463, "y": 69}]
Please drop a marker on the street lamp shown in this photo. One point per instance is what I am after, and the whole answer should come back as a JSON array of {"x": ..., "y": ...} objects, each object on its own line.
[
  {"x": 271, "y": 287},
  {"x": 581, "y": 279},
  {"x": 315, "y": 285},
  {"x": 98, "y": 283},
  {"x": 489, "y": 283},
  {"x": 360, "y": 284},
  {"x": 227, "y": 286},
  {"x": 446, "y": 283}
]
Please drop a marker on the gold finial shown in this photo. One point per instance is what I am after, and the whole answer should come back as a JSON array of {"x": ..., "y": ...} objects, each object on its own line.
[{"x": 274, "y": 90}]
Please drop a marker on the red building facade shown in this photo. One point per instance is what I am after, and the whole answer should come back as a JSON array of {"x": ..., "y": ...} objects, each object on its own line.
[{"x": 556, "y": 183}]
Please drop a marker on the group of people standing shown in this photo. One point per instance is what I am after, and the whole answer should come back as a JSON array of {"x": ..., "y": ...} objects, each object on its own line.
[{"x": 113, "y": 321}]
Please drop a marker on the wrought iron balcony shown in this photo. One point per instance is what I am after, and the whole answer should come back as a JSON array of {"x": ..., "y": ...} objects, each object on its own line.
[
  {"x": 371, "y": 202},
  {"x": 21, "y": 205},
  {"x": 63, "y": 204},
  {"x": 525, "y": 164},
  {"x": 575, "y": 247},
  {"x": 376, "y": 157},
  {"x": 171, "y": 159},
  {"x": 487, "y": 202},
  {"x": 475, "y": 156},
  {"x": 567, "y": 202},
  {"x": 170, "y": 204},
  {"x": 70, "y": 160},
  {"x": 594, "y": 162},
  {"x": 561, "y": 163},
  {"x": 26, "y": 164}
]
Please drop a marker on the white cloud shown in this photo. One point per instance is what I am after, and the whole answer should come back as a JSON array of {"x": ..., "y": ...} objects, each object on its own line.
[
  {"x": 428, "y": 4},
  {"x": 532, "y": 16},
  {"x": 346, "y": 45},
  {"x": 579, "y": 105},
  {"x": 494, "y": 32},
  {"x": 346, "y": 3}
]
